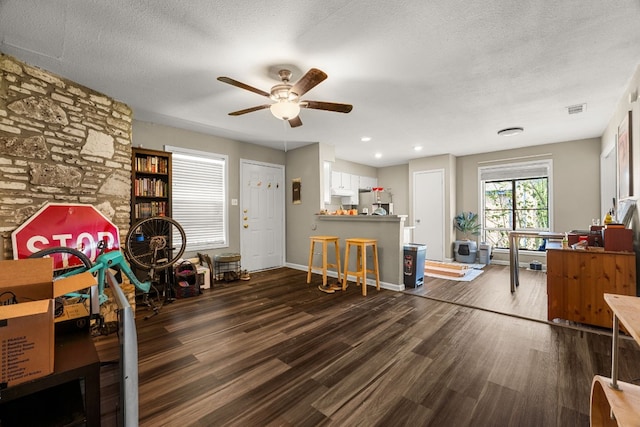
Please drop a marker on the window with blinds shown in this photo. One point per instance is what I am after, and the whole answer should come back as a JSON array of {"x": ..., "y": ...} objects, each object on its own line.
[
  {"x": 515, "y": 197},
  {"x": 199, "y": 188}
]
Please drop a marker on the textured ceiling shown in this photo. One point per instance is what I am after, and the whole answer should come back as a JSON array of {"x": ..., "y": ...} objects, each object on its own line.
[{"x": 443, "y": 75}]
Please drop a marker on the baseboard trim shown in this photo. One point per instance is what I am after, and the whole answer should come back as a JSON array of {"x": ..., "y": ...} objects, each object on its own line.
[{"x": 333, "y": 274}]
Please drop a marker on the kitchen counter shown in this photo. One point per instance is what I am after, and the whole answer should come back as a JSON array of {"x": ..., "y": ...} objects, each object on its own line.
[{"x": 388, "y": 230}]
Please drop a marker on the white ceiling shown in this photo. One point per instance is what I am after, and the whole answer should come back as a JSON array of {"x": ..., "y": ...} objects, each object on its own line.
[{"x": 445, "y": 75}]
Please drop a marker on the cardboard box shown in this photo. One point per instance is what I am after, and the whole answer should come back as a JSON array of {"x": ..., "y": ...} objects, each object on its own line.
[
  {"x": 74, "y": 318},
  {"x": 27, "y": 328}
]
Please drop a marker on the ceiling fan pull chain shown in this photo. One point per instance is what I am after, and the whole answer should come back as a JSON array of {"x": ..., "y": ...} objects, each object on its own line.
[{"x": 284, "y": 126}]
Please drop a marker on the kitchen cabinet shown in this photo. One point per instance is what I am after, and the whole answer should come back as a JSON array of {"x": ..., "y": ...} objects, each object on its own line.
[
  {"x": 368, "y": 182},
  {"x": 326, "y": 183},
  {"x": 340, "y": 180},
  {"x": 354, "y": 185},
  {"x": 341, "y": 188}
]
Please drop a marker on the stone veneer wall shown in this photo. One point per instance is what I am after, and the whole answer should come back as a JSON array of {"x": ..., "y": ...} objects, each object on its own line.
[{"x": 59, "y": 142}]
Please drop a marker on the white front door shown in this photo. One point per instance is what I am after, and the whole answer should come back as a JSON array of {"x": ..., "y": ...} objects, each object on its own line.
[
  {"x": 428, "y": 212},
  {"x": 262, "y": 215}
]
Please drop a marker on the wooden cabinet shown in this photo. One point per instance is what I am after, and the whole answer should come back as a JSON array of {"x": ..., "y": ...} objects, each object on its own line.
[
  {"x": 150, "y": 184},
  {"x": 577, "y": 281},
  {"x": 613, "y": 402}
]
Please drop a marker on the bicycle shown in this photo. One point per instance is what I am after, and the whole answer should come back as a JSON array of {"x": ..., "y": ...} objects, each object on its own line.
[{"x": 148, "y": 246}]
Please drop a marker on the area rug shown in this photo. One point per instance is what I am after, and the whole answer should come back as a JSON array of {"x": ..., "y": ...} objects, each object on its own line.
[{"x": 452, "y": 270}]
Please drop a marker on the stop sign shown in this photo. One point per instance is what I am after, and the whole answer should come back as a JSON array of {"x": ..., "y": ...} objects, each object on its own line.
[{"x": 76, "y": 226}]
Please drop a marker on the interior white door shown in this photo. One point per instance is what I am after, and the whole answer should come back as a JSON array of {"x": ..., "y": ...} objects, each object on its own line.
[
  {"x": 262, "y": 215},
  {"x": 428, "y": 212}
]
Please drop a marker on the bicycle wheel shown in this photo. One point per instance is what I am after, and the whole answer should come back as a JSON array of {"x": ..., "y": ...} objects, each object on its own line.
[
  {"x": 72, "y": 260},
  {"x": 155, "y": 243}
]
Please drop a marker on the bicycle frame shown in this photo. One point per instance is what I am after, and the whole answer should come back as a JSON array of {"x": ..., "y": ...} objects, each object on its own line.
[{"x": 105, "y": 261}]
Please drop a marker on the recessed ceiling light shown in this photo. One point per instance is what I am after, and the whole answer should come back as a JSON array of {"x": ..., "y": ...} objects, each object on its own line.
[
  {"x": 510, "y": 131},
  {"x": 365, "y": 139},
  {"x": 418, "y": 148},
  {"x": 378, "y": 155}
]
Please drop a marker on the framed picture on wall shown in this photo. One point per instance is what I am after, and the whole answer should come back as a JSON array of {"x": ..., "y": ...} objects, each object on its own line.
[
  {"x": 625, "y": 167},
  {"x": 296, "y": 189}
]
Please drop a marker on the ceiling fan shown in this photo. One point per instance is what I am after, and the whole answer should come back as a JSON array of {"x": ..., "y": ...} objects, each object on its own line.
[{"x": 287, "y": 103}]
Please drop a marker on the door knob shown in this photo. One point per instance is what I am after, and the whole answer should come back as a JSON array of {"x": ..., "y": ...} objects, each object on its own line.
[{"x": 246, "y": 226}]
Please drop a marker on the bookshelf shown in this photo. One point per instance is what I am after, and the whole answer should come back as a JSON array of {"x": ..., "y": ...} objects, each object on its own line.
[{"x": 150, "y": 184}]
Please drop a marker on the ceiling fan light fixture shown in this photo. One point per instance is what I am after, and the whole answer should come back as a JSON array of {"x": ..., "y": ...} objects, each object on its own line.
[{"x": 285, "y": 110}]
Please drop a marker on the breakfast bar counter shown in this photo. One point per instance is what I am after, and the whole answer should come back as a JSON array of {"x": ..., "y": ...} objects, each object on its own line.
[{"x": 388, "y": 230}]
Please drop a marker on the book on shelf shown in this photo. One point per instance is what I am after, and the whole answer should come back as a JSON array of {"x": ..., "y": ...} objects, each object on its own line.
[
  {"x": 152, "y": 164},
  {"x": 150, "y": 209}
]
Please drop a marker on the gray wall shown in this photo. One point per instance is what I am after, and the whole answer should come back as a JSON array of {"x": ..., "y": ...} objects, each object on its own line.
[
  {"x": 629, "y": 102},
  {"x": 154, "y": 136},
  {"x": 576, "y": 180},
  {"x": 304, "y": 163},
  {"x": 395, "y": 179},
  {"x": 575, "y": 175}
]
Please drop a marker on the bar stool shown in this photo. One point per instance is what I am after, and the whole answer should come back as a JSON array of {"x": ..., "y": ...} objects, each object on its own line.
[
  {"x": 325, "y": 240},
  {"x": 361, "y": 263}
]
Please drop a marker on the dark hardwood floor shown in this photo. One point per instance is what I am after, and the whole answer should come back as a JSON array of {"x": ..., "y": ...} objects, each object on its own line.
[
  {"x": 491, "y": 291},
  {"x": 277, "y": 351}
]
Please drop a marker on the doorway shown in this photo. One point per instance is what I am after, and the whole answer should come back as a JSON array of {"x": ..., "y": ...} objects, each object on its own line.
[
  {"x": 428, "y": 212},
  {"x": 261, "y": 215}
]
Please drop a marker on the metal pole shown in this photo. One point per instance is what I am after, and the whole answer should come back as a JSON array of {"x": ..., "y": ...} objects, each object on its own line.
[{"x": 614, "y": 354}]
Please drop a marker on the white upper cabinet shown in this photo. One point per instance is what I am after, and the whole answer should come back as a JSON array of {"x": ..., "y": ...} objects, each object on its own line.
[
  {"x": 368, "y": 182},
  {"x": 326, "y": 184}
]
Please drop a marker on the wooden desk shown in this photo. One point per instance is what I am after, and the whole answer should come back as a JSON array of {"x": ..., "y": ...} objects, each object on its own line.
[
  {"x": 75, "y": 359},
  {"x": 514, "y": 248},
  {"x": 578, "y": 279},
  {"x": 608, "y": 395}
]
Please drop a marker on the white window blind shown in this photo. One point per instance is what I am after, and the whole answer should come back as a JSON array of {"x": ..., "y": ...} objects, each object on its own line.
[
  {"x": 199, "y": 188},
  {"x": 524, "y": 170}
]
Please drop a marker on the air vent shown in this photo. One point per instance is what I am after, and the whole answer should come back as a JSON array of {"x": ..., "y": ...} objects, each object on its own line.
[{"x": 577, "y": 109}]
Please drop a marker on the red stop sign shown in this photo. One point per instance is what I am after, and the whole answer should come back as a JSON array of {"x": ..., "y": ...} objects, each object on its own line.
[{"x": 73, "y": 225}]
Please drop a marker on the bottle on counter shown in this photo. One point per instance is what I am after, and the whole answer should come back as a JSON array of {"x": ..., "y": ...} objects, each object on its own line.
[
  {"x": 608, "y": 219},
  {"x": 565, "y": 241}
]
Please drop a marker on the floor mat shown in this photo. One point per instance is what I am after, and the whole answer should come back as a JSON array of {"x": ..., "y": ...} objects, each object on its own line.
[{"x": 469, "y": 275}]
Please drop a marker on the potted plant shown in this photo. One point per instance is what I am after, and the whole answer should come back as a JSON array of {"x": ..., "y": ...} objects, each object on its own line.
[{"x": 467, "y": 223}]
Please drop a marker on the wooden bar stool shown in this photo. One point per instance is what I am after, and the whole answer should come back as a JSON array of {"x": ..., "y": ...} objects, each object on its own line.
[
  {"x": 325, "y": 240},
  {"x": 361, "y": 263}
]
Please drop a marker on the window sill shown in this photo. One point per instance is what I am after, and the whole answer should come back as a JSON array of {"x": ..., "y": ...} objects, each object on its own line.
[{"x": 522, "y": 252}]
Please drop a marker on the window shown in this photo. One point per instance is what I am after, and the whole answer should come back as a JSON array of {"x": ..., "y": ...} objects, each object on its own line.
[
  {"x": 199, "y": 188},
  {"x": 515, "y": 197}
]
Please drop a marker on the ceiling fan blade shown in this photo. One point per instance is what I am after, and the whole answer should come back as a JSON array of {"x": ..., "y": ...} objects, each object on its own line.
[
  {"x": 241, "y": 85},
  {"x": 295, "y": 122},
  {"x": 328, "y": 106},
  {"x": 249, "y": 110},
  {"x": 308, "y": 81}
]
